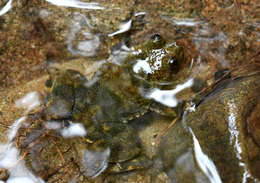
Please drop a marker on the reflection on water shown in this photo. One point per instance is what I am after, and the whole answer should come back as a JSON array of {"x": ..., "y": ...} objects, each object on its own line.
[
  {"x": 81, "y": 40},
  {"x": 6, "y": 8},
  {"x": 186, "y": 22},
  {"x": 234, "y": 133},
  {"x": 15, "y": 127},
  {"x": 76, "y": 4},
  {"x": 210, "y": 42},
  {"x": 167, "y": 97},
  {"x": 95, "y": 132},
  {"x": 206, "y": 165},
  {"x": 123, "y": 28},
  {"x": 18, "y": 172},
  {"x": 95, "y": 162},
  {"x": 126, "y": 26},
  {"x": 234, "y": 138},
  {"x": 10, "y": 157},
  {"x": 144, "y": 66},
  {"x": 207, "y": 40}
]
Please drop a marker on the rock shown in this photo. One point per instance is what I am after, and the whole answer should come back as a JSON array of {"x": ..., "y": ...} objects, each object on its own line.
[{"x": 222, "y": 146}]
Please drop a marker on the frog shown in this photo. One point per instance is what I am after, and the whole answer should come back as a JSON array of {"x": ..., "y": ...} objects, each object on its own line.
[
  {"x": 131, "y": 82},
  {"x": 108, "y": 102},
  {"x": 122, "y": 86}
]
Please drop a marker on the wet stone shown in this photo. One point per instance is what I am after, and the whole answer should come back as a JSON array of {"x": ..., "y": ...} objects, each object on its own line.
[
  {"x": 225, "y": 140},
  {"x": 218, "y": 134}
]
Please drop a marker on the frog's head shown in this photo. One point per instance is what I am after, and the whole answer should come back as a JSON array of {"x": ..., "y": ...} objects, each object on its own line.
[{"x": 157, "y": 61}]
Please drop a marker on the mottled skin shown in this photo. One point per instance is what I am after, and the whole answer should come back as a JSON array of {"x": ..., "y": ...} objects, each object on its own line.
[{"x": 164, "y": 60}]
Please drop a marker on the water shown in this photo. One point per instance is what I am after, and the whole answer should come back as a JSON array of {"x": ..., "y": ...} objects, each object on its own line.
[
  {"x": 116, "y": 112},
  {"x": 6, "y": 8}
]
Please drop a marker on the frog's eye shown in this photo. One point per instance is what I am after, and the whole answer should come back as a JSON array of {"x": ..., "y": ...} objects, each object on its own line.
[
  {"x": 173, "y": 61},
  {"x": 174, "y": 64}
]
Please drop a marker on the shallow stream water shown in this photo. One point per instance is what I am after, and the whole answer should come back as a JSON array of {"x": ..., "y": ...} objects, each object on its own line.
[{"x": 129, "y": 91}]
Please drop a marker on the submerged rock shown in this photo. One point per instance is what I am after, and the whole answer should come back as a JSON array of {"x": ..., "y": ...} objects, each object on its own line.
[{"x": 222, "y": 133}]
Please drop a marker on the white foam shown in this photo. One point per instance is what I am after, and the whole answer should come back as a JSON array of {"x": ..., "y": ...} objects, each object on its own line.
[
  {"x": 6, "y": 8},
  {"x": 167, "y": 97},
  {"x": 76, "y": 4},
  {"x": 29, "y": 101},
  {"x": 74, "y": 130}
]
